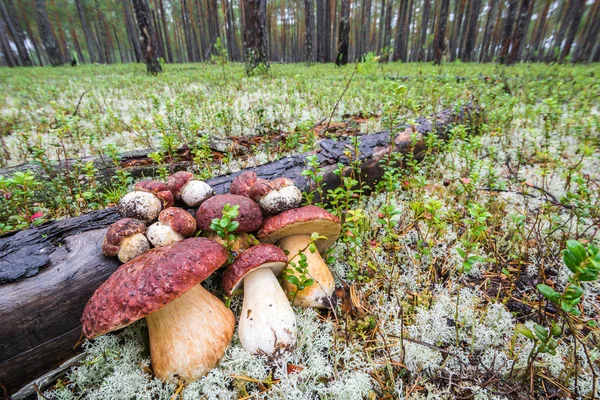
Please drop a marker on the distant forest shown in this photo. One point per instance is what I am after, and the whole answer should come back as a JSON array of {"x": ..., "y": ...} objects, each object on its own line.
[{"x": 54, "y": 32}]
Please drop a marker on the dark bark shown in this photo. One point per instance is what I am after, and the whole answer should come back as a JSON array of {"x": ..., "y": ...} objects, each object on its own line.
[
  {"x": 344, "y": 34},
  {"x": 47, "y": 34},
  {"x": 255, "y": 34},
  {"x": 399, "y": 42},
  {"x": 165, "y": 29},
  {"x": 11, "y": 19},
  {"x": 440, "y": 32},
  {"x": 365, "y": 46},
  {"x": 9, "y": 56},
  {"x": 132, "y": 32},
  {"x": 75, "y": 40},
  {"x": 51, "y": 271},
  {"x": 387, "y": 35},
  {"x": 487, "y": 31},
  {"x": 563, "y": 24},
  {"x": 589, "y": 36},
  {"x": 323, "y": 31},
  {"x": 30, "y": 35},
  {"x": 459, "y": 11},
  {"x": 309, "y": 22},
  {"x": 520, "y": 33},
  {"x": 578, "y": 8},
  {"x": 423, "y": 30},
  {"x": 507, "y": 30},
  {"x": 187, "y": 31},
  {"x": 471, "y": 31},
  {"x": 142, "y": 15},
  {"x": 496, "y": 37},
  {"x": 538, "y": 33},
  {"x": 232, "y": 49}
]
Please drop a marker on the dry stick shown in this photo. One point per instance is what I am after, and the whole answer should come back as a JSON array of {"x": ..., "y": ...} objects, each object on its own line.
[
  {"x": 79, "y": 102},
  {"x": 340, "y": 99}
]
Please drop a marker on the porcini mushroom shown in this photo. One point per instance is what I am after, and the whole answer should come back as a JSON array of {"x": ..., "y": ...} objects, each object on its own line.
[
  {"x": 267, "y": 322},
  {"x": 276, "y": 196},
  {"x": 249, "y": 217},
  {"x": 125, "y": 239},
  {"x": 189, "y": 328},
  {"x": 291, "y": 230},
  {"x": 146, "y": 201},
  {"x": 174, "y": 224},
  {"x": 192, "y": 191},
  {"x": 242, "y": 183}
]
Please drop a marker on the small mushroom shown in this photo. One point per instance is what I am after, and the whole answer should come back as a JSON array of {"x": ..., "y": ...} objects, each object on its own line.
[
  {"x": 275, "y": 196},
  {"x": 146, "y": 201},
  {"x": 267, "y": 322},
  {"x": 125, "y": 239},
  {"x": 189, "y": 328},
  {"x": 242, "y": 183},
  {"x": 174, "y": 224},
  {"x": 193, "y": 192},
  {"x": 291, "y": 230}
]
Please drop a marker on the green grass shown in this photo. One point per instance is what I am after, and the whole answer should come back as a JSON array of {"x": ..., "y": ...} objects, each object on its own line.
[{"x": 439, "y": 265}]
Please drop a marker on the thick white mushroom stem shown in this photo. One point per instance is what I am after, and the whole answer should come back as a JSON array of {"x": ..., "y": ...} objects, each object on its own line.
[
  {"x": 320, "y": 292},
  {"x": 189, "y": 336},
  {"x": 267, "y": 322}
]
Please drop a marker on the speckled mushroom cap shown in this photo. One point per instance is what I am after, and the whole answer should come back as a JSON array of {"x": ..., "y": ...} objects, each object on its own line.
[
  {"x": 159, "y": 189},
  {"x": 149, "y": 282},
  {"x": 260, "y": 256},
  {"x": 118, "y": 232},
  {"x": 179, "y": 220},
  {"x": 242, "y": 183},
  {"x": 261, "y": 187},
  {"x": 249, "y": 218},
  {"x": 298, "y": 221},
  {"x": 176, "y": 181}
]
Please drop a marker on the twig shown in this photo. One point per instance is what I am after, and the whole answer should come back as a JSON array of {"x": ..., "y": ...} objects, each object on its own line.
[
  {"x": 79, "y": 102},
  {"x": 340, "y": 99}
]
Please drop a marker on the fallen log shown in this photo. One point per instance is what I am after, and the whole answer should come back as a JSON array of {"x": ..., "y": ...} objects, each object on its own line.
[{"x": 48, "y": 273}]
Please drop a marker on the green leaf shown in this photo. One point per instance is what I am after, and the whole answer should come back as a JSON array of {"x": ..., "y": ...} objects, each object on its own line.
[
  {"x": 224, "y": 222},
  {"x": 525, "y": 331},
  {"x": 577, "y": 250},
  {"x": 312, "y": 248},
  {"x": 549, "y": 293},
  {"x": 570, "y": 261},
  {"x": 505, "y": 272},
  {"x": 573, "y": 292},
  {"x": 540, "y": 332},
  {"x": 461, "y": 252},
  {"x": 308, "y": 282}
]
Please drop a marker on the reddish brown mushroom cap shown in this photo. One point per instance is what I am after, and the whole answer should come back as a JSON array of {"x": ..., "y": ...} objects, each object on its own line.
[
  {"x": 301, "y": 221},
  {"x": 249, "y": 217},
  {"x": 118, "y": 231},
  {"x": 260, "y": 256},
  {"x": 242, "y": 183},
  {"x": 159, "y": 189},
  {"x": 179, "y": 220},
  {"x": 149, "y": 282},
  {"x": 176, "y": 181},
  {"x": 262, "y": 187}
]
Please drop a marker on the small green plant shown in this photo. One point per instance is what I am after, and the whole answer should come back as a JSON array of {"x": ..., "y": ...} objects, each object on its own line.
[
  {"x": 314, "y": 173},
  {"x": 297, "y": 273},
  {"x": 225, "y": 226}
]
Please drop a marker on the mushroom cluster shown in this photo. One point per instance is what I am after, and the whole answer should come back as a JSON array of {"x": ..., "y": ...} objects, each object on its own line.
[{"x": 190, "y": 328}]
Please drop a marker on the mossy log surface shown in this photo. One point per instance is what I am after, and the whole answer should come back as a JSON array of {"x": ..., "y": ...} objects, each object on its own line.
[{"x": 48, "y": 273}]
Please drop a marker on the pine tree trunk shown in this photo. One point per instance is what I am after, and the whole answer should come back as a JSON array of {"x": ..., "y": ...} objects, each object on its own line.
[
  {"x": 459, "y": 11},
  {"x": 344, "y": 34},
  {"x": 399, "y": 42},
  {"x": 471, "y": 32},
  {"x": 565, "y": 20},
  {"x": 309, "y": 22},
  {"x": 30, "y": 35},
  {"x": 75, "y": 40},
  {"x": 323, "y": 39},
  {"x": 381, "y": 35},
  {"x": 12, "y": 21},
  {"x": 232, "y": 50},
  {"x": 366, "y": 28},
  {"x": 589, "y": 40},
  {"x": 538, "y": 32},
  {"x": 255, "y": 34},
  {"x": 578, "y": 8},
  {"x": 423, "y": 30},
  {"x": 90, "y": 40},
  {"x": 169, "y": 52},
  {"x": 144, "y": 20},
  {"x": 387, "y": 39},
  {"x": 438, "y": 41},
  {"x": 487, "y": 32},
  {"x": 509, "y": 22},
  {"x": 131, "y": 30},
  {"x": 9, "y": 56},
  {"x": 520, "y": 33},
  {"x": 46, "y": 33}
]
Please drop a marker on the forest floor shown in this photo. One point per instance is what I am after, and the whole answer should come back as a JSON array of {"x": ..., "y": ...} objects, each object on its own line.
[{"x": 470, "y": 274}]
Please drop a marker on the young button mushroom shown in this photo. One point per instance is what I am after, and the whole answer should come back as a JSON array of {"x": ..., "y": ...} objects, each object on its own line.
[
  {"x": 189, "y": 328},
  {"x": 267, "y": 322},
  {"x": 174, "y": 224},
  {"x": 193, "y": 192},
  {"x": 291, "y": 230},
  {"x": 275, "y": 196},
  {"x": 146, "y": 202},
  {"x": 125, "y": 239}
]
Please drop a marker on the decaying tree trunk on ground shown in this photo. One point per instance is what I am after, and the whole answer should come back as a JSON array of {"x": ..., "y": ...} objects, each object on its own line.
[
  {"x": 149, "y": 47},
  {"x": 50, "y": 272}
]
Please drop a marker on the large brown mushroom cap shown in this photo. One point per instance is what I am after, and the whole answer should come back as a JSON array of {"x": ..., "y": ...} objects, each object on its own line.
[
  {"x": 179, "y": 220},
  {"x": 149, "y": 282},
  {"x": 176, "y": 181},
  {"x": 260, "y": 256},
  {"x": 242, "y": 183},
  {"x": 249, "y": 217},
  {"x": 301, "y": 221},
  {"x": 159, "y": 189},
  {"x": 118, "y": 232}
]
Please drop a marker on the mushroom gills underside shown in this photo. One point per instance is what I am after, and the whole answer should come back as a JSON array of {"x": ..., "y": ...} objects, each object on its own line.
[
  {"x": 267, "y": 322},
  {"x": 189, "y": 336},
  {"x": 320, "y": 292}
]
